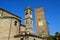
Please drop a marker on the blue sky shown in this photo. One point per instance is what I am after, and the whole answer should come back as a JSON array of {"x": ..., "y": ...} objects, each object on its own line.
[{"x": 51, "y": 7}]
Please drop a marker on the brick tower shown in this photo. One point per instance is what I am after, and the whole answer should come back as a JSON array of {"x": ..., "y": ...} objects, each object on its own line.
[{"x": 41, "y": 25}]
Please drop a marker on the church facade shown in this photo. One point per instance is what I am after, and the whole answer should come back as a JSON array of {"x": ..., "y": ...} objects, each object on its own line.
[
  {"x": 9, "y": 25},
  {"x": 12, "y": 29}
]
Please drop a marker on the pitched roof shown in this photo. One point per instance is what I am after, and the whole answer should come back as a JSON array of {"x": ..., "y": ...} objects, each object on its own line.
[
  {"x": 28, "y": 7},
  {"x": 24, "y": 33},
  {"x": 9, "y": 12},
  {"x": 22, "y": 25}
]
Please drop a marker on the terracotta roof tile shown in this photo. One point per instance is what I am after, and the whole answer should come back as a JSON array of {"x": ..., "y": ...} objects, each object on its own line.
[{"x": 22, "y": 34}]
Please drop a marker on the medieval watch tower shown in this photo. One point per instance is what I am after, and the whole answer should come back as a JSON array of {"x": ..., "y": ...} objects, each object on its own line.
[
  {"x": 41, "y": 25},
  {"x": 28, "y": 20}
]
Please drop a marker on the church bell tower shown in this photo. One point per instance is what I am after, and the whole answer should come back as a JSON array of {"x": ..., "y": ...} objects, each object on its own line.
[{"x": 28, "y": 20}]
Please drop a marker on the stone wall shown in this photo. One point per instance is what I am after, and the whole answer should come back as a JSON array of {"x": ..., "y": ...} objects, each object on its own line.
[{"x": 9, "y": 26}]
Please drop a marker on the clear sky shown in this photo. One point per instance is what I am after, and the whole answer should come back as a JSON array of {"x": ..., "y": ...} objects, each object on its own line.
[{"x": 51, "y": 7}]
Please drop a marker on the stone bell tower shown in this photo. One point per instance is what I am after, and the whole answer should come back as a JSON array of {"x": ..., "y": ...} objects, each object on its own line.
[
  {"x": 28, "y": 20},
  {"x": 41, "y": 25}
]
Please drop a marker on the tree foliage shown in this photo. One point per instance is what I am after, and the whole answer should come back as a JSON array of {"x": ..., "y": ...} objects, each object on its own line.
[
  {"x": 51, "y": 38},
  {"x": 57, "y": 35}
]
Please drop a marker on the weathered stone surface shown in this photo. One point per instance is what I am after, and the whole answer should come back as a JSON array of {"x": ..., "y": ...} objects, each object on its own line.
[
  {"x": 41, "y": 24},
  {"x": 7, "y": 26}
]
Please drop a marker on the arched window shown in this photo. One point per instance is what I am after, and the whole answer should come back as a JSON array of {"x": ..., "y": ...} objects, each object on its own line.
[
  {"x": 26, "y": 12},
  {"x": 15, "y": 23}
]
